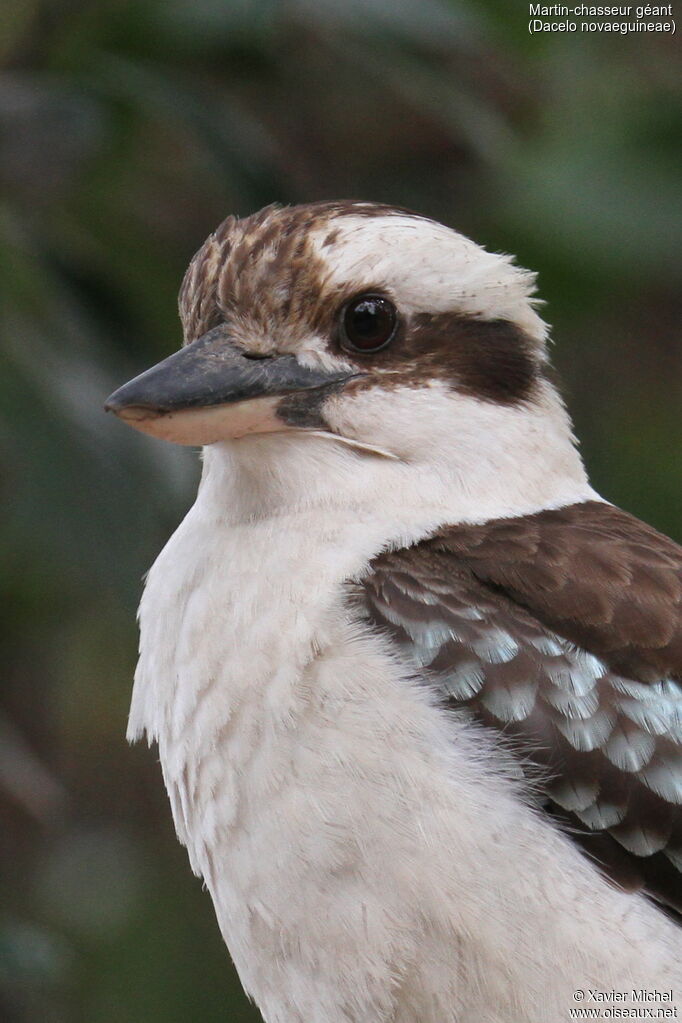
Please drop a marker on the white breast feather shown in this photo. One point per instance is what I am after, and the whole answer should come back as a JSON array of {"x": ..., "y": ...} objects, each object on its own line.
[{"x": 368, "y": 858}]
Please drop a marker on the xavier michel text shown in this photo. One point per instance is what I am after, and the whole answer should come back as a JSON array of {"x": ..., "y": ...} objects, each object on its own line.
[
  {"x": 588, "y": 18},
  {"x": 634, "y": 995}
]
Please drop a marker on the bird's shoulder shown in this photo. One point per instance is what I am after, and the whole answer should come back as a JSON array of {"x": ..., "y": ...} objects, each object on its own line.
[
  {"x": 601, "y": 577},
  {"x": 562, "y": 629}
]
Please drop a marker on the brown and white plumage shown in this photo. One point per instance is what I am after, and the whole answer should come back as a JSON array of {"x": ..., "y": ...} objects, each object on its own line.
[
  {"x": 562, "y": 629},
  {"x": 400, "y": 654}
]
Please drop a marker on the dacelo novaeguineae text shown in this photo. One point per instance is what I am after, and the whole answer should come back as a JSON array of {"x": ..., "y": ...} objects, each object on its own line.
[{"x": 416, "y": 687}]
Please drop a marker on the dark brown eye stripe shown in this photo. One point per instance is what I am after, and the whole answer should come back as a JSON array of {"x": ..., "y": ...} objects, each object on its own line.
[{"x": 493, "y": 360}]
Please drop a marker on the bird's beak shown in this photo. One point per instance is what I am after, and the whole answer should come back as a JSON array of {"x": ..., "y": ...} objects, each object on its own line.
[{"x": 211, "y": 390}]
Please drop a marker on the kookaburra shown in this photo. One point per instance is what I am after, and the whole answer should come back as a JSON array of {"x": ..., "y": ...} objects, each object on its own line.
[{"x": 416, "y": 687}]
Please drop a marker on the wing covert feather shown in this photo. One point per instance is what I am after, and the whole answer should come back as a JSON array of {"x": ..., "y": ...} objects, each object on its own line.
[{"x": 508, "y": 644}]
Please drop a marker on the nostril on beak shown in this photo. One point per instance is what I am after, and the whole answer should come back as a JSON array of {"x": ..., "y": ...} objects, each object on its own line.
[{"x": 256, "y": 355}]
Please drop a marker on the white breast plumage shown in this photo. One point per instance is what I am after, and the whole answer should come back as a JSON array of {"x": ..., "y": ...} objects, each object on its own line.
[{"x": 336, "y": 823}]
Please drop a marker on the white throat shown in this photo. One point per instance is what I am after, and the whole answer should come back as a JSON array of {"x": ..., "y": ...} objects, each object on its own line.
[{"x": 462, "y": 460}]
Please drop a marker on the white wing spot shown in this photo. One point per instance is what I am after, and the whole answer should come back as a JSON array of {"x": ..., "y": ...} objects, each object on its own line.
[
  {"x": 601, "y": 815},
  {"x": 570, "y": 705},
  {"x": 496, "y": 647},
  {"x": 510, "y": 705},
  {"x": 630, "y": 751},
  {"x": 585, "y": 736},
  {"x": 572, "y": 794},
  {"x": 664, "y": 776}
]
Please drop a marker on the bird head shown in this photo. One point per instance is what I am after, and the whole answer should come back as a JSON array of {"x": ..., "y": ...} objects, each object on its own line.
[{"x": 366, "y": 325}]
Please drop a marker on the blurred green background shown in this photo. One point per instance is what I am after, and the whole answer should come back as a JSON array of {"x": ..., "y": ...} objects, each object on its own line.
[{"x": 130, "y": 128}]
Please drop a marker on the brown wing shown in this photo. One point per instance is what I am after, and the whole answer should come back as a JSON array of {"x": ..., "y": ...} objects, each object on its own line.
[
  {"x": 590, "y": 571},
  {"x": 563, "y": 630}
]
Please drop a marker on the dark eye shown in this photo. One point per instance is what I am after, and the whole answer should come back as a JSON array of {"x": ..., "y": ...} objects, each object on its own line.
[{"x": 368, "y": 323}]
